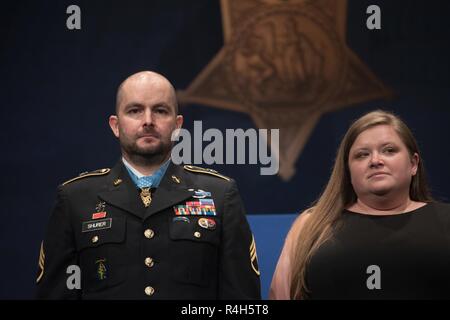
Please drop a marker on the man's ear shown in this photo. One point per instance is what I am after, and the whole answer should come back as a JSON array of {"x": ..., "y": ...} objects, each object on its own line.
[
  {"x": 179, "y": 121},
  {"x": 114, "y": 124}
]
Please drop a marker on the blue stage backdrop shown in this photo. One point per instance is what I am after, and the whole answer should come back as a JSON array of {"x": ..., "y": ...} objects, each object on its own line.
[{"x": 58, "y": 89}]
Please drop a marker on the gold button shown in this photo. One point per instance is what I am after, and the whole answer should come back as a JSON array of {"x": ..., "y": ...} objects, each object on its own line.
[
  {"x": 149, "y": 262},
  {"x": 94, "y": 239},
  {"x": 149, "y": 291},
  {"x": 197, "y": 234},
  {"x": 149, "y": 233}
]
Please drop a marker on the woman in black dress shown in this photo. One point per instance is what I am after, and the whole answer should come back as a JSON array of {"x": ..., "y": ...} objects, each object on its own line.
[{"x": 375, "y": 232}]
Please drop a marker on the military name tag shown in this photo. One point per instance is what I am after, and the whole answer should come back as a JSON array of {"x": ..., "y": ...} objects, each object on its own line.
[{"x": 96, "y": 225}]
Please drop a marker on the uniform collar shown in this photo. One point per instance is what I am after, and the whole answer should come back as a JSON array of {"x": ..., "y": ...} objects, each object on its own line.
[
  {"x": 120, "y": 191},
  {"x": 156, "y": 177}
]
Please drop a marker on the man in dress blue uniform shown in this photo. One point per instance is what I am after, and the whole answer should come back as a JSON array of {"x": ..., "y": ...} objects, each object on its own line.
[{"x": 148, "y": 229}]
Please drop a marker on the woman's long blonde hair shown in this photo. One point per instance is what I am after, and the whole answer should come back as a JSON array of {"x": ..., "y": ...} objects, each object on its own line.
[{"x": 339, "y": 194}]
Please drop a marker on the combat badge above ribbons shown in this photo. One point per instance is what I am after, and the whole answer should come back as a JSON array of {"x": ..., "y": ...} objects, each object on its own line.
[{"x": 200, "y": 194}]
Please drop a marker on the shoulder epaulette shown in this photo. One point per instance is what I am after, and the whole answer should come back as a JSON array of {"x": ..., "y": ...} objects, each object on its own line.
[
  {"x": 98, "y": 172},
  {"x": 204, "y": 170}
]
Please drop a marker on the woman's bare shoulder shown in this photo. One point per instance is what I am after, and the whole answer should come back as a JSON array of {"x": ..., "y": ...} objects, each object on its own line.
[{"x": 298, "y": 224}]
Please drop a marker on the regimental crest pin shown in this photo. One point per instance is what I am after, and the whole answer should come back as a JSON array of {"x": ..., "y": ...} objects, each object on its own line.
[{"x": 99, "y": 211}]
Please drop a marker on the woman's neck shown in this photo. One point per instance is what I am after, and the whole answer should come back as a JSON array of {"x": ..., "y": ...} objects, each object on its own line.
[{"x": 385, "y": 206}]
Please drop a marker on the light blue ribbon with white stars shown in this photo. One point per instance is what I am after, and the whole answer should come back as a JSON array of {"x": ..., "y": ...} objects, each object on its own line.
[{"x": 152, "y": 181}]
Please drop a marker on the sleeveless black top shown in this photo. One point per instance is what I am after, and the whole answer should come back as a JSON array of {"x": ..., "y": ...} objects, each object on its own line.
[{"x": 403, "y": 256}]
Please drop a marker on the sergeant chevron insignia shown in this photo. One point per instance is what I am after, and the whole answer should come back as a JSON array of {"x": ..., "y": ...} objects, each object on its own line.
[
  {"x": 41, "y": 263},
  {"x": 253, "y": 257}
]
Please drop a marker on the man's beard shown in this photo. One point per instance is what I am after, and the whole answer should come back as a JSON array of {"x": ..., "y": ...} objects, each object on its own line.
[{"x": 150, "y": 155}]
